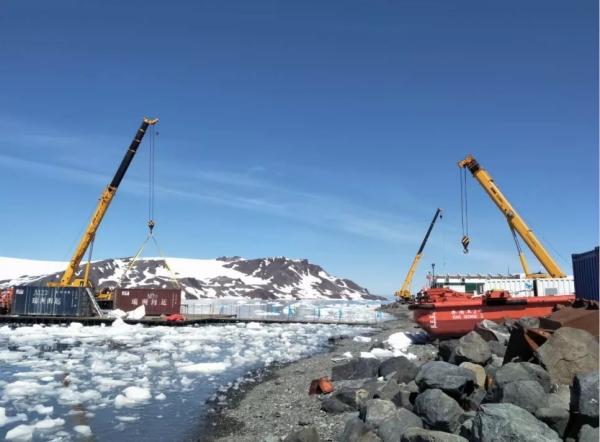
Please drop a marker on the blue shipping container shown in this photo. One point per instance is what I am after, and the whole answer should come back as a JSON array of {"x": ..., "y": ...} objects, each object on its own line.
[
  {"x": 585, "y": 273},
  {"x": 51, "y": 301}
]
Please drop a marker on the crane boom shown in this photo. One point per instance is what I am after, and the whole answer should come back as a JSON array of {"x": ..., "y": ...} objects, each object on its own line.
[
  {"x": 404, "y": 292},
  {"x": 515, "y": 222},
  {"x": 103, "y": 204}
]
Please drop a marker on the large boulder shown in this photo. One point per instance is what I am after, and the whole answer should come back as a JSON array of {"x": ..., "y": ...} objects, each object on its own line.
[
  {"x": 421, "y": 435},
  {"x": 588, "y": 434},
  {"x": 474, "y": 400},
  {"x": 354, "y": 431},
  {"x": 358, "y": 368},
  {"x": 471, "y": 348},
  {"x": 529, "y": 395},
  {"x": 405, "y": 370},
  {"x": 585, "y": 397},
  {"x": 333, "y": 405},
  {"x": 478, "y": 370},
  {"x": 456, "y": 382},
  {"x": 378, "y": 410},
  {"x": 560, "y": 397},
  {"x": 507, "y": 422},
  {"x": 350, "y": 397},
  {"x": 438, "y": 411},
  {"x": 309, "y": 434},
  {"x": 493, "y": 332},
  {"x": 567, "y": 353},
  {"x": 517, "y": 371},
  {"x": 446, "y": 348},
  {"x": 497, "y": 348},
  {"x": 392, "y": 429},
  {"x": 555, "y": 417},
  {"x": 405, "y": 398},
  {"x": 371, "y": 436},
  {"x": 388, "y": 391}
]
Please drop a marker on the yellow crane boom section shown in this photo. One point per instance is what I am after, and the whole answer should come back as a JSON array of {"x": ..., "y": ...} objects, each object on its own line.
[
  {"x": 515, "y": 222},
  {"x": 404, "y": 292},
  {"x": 103, "y": 205}
]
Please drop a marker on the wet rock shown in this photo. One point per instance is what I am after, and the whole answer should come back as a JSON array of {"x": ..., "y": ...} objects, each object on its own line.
[
  {"x": 478, "y": 370},
  {"x": 474, "y": 400},
  {"x": 507, "y": 422},
  {"x": 497, "y": 348},
  {"x": 517, "y": 371},
  {"x": 556, "y": 418},
  {"x": 567, "y": 353},
  {"x": 466, "y": 429},
  {"x": 354, "y": 430},
  {"x": 438, "y": 411},
  {"x": 588, "y": 434},
  {"x": 405, "y": 370},
  {"x": 456, "y": 382},
  {"x": 420, "y": 435},
  {"x": 446, "y": 348},
  {"x": 378, "y": 410},
  {"x": 471, "y": 348},
  {"x": 333, "y": 405},
  {"x": 359, "y": 368},
  {"x": 585, "y": 397},
  {"x": 529, "y": 395},
  {"x": 392, "y": 428},
  {"x": 309, "y": 434}
]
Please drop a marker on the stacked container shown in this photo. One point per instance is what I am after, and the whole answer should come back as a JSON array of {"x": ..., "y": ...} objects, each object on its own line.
[
  {"x": 585, "y": 271},
  {"x": 51, "y": 301}
]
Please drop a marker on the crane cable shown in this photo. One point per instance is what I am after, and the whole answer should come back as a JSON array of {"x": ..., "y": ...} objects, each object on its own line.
[
  {"x": 464, "y": 210},
  {"x": 151, "y": 193}
]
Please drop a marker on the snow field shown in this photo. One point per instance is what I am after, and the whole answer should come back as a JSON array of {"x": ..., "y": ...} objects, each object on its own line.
[{"x": 110, "y": 374}]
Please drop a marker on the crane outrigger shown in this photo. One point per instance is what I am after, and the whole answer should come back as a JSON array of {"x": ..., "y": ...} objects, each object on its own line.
[
  {"x": 515, "y": 223},
  {"x": 68, "y": 277}
]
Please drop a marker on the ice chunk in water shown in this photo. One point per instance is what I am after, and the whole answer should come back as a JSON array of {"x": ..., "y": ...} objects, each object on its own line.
[
  {"x": 84, "y": 430},
  {"x": 21, "y": 433},
  {"x": 49, "y": 423},
  {"x": 7, "y": 420}
]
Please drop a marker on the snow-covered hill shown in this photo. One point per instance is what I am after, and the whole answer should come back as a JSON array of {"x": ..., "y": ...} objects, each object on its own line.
[{"x": 265, "y": 278}]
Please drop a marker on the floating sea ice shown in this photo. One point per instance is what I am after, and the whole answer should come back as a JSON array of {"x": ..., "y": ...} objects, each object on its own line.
[
  {"x": 49, "y": 423},
  {"x": 160, "y": 397},
  {"x": 137, "y": 394},
  {"x": 4, "y": 419},
  {"x": 84, "y": 430},
  {"x": 22, "y": 433},
  {"x": 40, "y": 409},
  {"x": 207, "y": 367}
]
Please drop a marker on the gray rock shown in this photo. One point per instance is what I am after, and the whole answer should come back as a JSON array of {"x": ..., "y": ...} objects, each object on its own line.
[
  {"x": 529, "y": 395},
  {"x": 348, "y": 396},
  {"x": 371, "y": 436},
  {"x": 560, "y": 397},
  {"x": 455, "y": 381},
  {"x": 358, "y": 368},
  {"x": 405, "y": 398},
  {"x": 378, "y": 410},
  {"x": 585, "y": 397},
  {"x": 388, "y": 391},
  {"x": 529, "y": 322},
  {"x": 377, "y": 344},
  {"x": 405, "y": 370},
  {"x": 333, "y": 405},
  {"x": 493, "y": 332},
  {"x": 438, "y": 411},
  {"x": 490, "y": 370},
  {"x": 420, "y": 435},
  {"x": 309, "y": 434},
  {"x": 555, "y": 418},
  {"x": 567, "y": 353},
  {"x": 497, "y": 348},
  {"x": 507, "y": 422},
  {"x": 354, "y": 430},
  {"x": 588, "y": 434},
  {"x": 474, "y": 400},
  {"x": 478, "y": 370},
  {"x": 466, "y": 429},
  {"x": 392, "y": 428},
  {"x": 373, "y": 386},
  {"x": 446, "y": 348},
  {"x": 471, "y": 348},
  {"x": 517, "y": 371},
  {"x": 467, "y": 415}
]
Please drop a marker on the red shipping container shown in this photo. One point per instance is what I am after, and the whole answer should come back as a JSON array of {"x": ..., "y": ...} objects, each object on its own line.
[{"x": 156, "y": 301}]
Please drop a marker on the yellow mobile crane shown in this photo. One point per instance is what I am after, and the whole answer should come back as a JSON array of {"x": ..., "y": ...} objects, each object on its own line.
[
  {"x": 515, "y": 223},
  {"x": 68, "y": 277},
  {"x": 404, "y": 292}
]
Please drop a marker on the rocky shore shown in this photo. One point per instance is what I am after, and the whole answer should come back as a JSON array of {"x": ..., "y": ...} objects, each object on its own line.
[{"x": 456, "y": 391}]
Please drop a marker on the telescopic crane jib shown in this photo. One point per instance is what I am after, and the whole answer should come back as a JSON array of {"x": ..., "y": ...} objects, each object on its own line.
[
  {"x": 515, "y": 222},
  {"x": 68, "y": 277},
  {"x": 404, "y": 292}
]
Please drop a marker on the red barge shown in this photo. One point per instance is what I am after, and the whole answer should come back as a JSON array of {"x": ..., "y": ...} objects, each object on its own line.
[{"x": 442, "y": 312}]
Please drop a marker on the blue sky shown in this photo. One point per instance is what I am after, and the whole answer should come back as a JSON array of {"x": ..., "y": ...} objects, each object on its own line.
[{"x": 326, "y": 130}]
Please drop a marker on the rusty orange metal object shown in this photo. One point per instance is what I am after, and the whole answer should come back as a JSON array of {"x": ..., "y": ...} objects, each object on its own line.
[
  {"x": 580, "y": 318},
  {"x": 320, "y": 386}
]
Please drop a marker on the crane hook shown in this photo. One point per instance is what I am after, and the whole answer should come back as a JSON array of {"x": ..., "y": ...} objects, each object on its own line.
[
  {"x": 465, "y": 243},
  {"x": 151, "y": 225}
]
